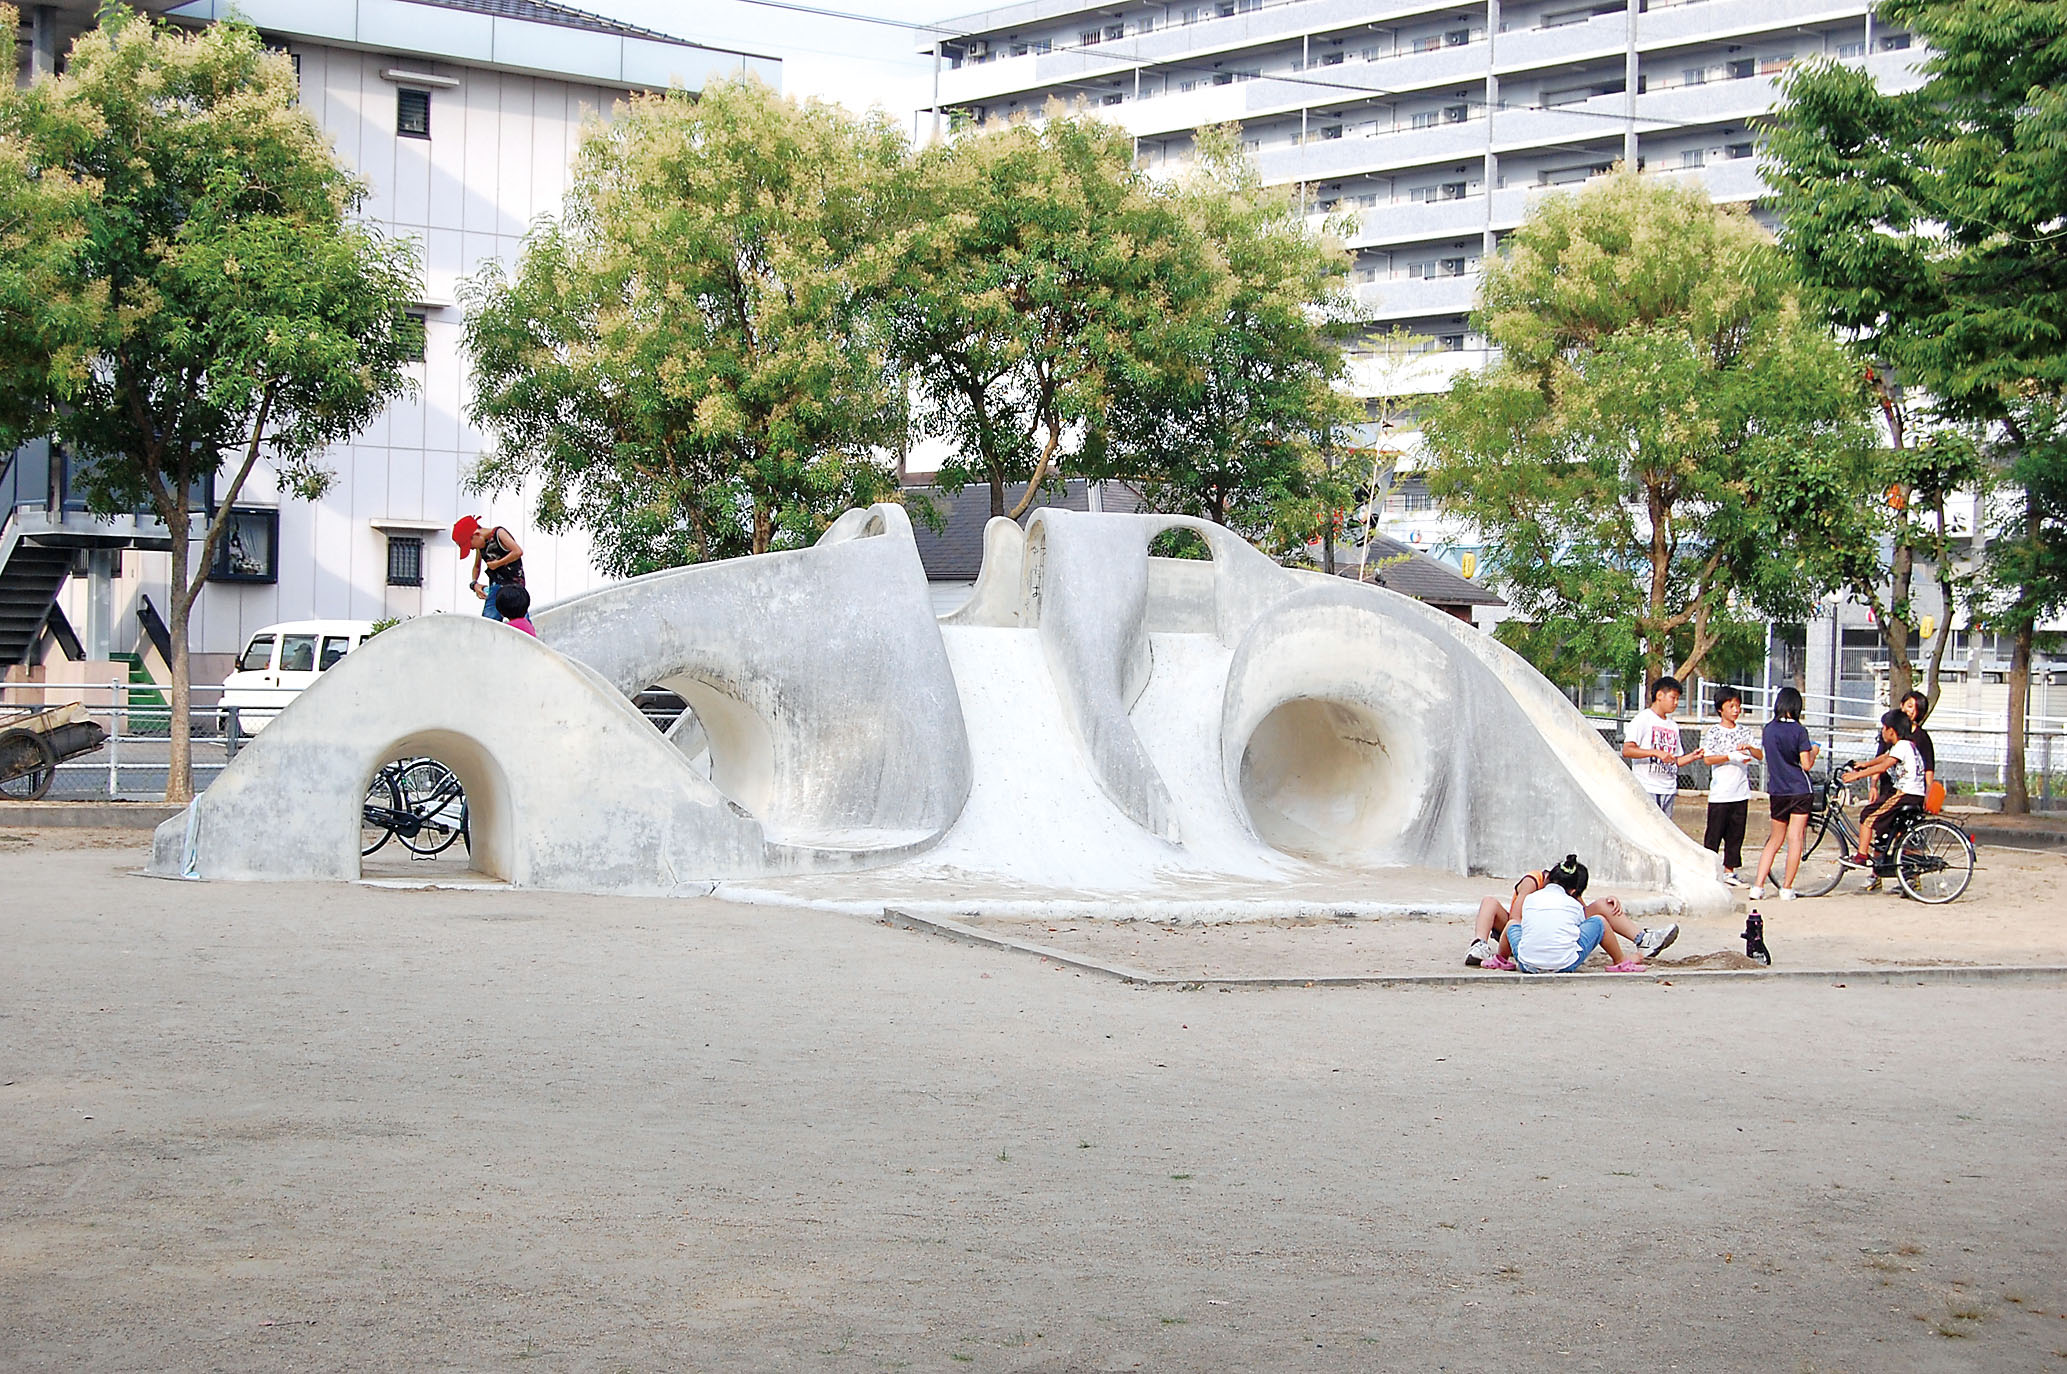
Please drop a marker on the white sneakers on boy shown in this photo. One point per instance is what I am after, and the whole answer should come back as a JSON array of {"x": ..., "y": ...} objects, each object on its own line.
[
  {"x": 1756, "y": 892},
  {"x": 1481, "y": 950},
  {"x": 1650, "y": 942}
]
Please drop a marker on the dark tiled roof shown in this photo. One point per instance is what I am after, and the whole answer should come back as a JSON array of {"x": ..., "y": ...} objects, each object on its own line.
[
  {"x": 956, "y": 554},
  {"x": 1419, "y": 576},
  {"x": 546, "y": 12}
]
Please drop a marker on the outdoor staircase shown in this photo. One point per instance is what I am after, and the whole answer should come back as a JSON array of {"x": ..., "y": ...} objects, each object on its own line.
[{"x": 30, "y": 576}]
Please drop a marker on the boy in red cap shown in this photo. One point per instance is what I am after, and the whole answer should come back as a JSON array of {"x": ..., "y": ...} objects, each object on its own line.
[{"x": 496, "y": 554}]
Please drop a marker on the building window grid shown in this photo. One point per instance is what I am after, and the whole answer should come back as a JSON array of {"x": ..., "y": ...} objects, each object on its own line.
[
  {"x": 405, "y": 560},
  {"x": 412, "y": 113}
]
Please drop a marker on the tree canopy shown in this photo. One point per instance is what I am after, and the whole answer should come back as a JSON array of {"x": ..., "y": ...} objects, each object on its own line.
[
  {"x": 1927, "y": 224},
  {"x": 1238, "y": 425},
  {"x": 1043, "y": 271},
  {"x": 1667, "y": 450},
  {"x": 217, "y": 301},
  {"x": 685, "y": 361}
]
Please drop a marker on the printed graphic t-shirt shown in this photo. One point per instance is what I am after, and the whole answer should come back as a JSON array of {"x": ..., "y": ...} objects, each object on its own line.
[
  {"x": 1649, "y": 730},
  {"x": 1728, "y": 782},
  {"x": 1785, "y": 742},
  {"x": 1907, "y": 774}
]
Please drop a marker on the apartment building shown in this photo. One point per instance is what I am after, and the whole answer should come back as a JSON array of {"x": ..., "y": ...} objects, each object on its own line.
[
  {"x": 463, "y": 117},
  {"x": 1431, "y": 125}
]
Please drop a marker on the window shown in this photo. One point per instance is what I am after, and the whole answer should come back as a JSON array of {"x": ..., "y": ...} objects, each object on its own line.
[
  {"x": 1019, "y": 50},
  {"x": 1333, "y": 59},
  {"x": 1845, "y": 50},
  {"x": 1894, "y": 42},
  {"x": 1223, "y": 78},
  {"x": 1456, "y": 114},
  {"x": 1738, "y": 150},
  {"x": 1450, "y": 343},
  {"x": 297, "y": 653},
  {"x": 258, "y": 655},
  {"x": 1449, "y": 267},
  {"x": 1453, "y": 190},
  {"x": 249, "y": 547},
  {"x": 1427, "y": 119},
  {"x": 1332, "y": 131},
  {"x": 1145, "y": 24},
  {"x": 405, "y": 560},
  {"x": 409, "y": 335},
  {"x": 1194, "y": 14},
  {"x": 1739, "y": 68},
  {"x": 1457, "y": 38},
  {"x": 412, "y": 113},
  {"x": 1115, "y": 31},
  {"x": 1111, "y": 99},
  {"x": 1088, "y": 37},
  {"x": 1773, "y": 66},
  {"x": 335, "y": 647},
  {"x": 1694, "y": 76},
  {"x": 1432, "y": 43},
  {"x": 1043, "y": 45},
  {"x": 1692, "y": 157}
]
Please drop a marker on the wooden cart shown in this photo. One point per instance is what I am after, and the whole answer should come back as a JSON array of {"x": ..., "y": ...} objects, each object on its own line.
[{"x": 33, "y": 743}]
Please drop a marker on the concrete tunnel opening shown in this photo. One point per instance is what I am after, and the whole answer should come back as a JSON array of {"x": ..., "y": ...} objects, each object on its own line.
[
  {"x": 450, "y": 799},
  {"x": 1321, "y": 779}
]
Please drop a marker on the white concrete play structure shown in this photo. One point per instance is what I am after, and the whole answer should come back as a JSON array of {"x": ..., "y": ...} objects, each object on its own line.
[{"x": 1096, "y": 728}]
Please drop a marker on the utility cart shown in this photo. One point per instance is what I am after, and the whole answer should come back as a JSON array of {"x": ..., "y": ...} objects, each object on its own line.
[{"x": 34, "y": 743}]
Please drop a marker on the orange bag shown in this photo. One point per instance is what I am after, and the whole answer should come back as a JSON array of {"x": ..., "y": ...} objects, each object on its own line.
[{"x": 1934, "y": 797}]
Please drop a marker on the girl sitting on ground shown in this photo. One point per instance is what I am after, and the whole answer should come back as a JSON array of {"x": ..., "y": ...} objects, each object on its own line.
[
  {"x": 1553, "y": 933},
  {"x": 1493, "y": 916}
]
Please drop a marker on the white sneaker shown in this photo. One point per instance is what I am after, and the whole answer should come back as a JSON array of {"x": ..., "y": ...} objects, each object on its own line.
[
  {"x": 1756, "y": 892},
  {"x": 1480, "y": 951},
  {"x": 1650, "y": 942},
  {"x": 1786, "y": 894},
  {"x": 1732, "y": 880}
]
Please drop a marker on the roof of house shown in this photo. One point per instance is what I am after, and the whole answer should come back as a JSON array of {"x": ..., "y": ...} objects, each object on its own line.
[
  {"x": 565, "y": 16},
  {"x": 1415, "y": 574}
]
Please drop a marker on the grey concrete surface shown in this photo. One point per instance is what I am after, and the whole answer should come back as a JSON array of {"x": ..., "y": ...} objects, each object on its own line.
[{"x": 324, "y": 1127}]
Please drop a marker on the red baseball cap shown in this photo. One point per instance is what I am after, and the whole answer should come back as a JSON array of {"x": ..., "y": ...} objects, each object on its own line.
[{"x": 463, "y": 532}]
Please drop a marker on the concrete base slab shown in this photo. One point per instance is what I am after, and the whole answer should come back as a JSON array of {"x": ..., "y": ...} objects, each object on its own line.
[{"x": 86, "y": 815}]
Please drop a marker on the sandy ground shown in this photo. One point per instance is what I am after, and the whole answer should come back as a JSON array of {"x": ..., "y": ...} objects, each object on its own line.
[{"x": 259, "y": 1127}]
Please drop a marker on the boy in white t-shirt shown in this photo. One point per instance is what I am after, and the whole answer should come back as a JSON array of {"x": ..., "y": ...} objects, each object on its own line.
[
  {"x": 1651, "y": 743},
  {"x": 1554, "y": 934},
  {"x": 1905, "y": 791},
  {"x": 1727, "y": 748}
]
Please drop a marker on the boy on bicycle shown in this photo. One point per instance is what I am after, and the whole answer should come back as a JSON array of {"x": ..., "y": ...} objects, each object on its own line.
[{"x": 1905, "y": 783}]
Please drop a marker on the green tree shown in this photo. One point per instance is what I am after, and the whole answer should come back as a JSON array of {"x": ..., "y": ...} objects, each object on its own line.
[
  {"x": 231, "y": 310},
  {"x": 42, "y": 230},
  {"x": 1667, "y": 450},
  {"x": 684, "y": 362},
  {"x": 1042, "y": 271},
  {"x": 1926, "y": 224},
  {"x": 1240, "y": 426}
]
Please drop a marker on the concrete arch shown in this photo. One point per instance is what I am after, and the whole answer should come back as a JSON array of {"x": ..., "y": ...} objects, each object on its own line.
[
  {"x": 818, "y": 675},
  {"x": 525, "y": 729}
]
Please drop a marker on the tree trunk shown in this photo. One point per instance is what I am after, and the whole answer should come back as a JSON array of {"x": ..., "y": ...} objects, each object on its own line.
[
  {"x": 1901, "y": 570},
  {"x": 764, "y": 526},
  {"x": 1931, "y": 680},
  {"x": 997, "y": 493},
  {"x": 2016, "y": 799},
  {"x": 179, "y": 772}
]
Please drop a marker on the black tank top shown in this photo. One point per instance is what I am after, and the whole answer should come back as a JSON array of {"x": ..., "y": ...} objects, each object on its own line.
[{"x": 510, "y": 574}]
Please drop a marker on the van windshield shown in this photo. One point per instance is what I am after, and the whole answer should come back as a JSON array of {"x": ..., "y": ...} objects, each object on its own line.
[
  {"x": 258, "y": 657},
  {"x": 298, "y": 654}
]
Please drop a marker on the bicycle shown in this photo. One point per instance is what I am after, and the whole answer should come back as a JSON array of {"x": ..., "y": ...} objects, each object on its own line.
[
  {"x": 418, "y": 801},
  {"x": 1929, "y": 857}
]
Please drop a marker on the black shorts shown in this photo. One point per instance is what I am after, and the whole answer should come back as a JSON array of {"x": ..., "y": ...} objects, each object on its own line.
[
  {"x": 1788, "y": 806},
  {"x": 1893, "y": 804}
]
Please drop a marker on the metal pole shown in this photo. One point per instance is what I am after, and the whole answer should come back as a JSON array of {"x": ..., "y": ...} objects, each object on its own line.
[
  {"x": 936, "y": 90},
  {"x": 114, "y": 740}
]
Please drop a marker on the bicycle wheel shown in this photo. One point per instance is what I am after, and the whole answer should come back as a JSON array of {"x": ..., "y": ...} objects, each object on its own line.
[
  {"x": 1934, "y": 862},
  {"x": 374, "y": 829},
  {"x": 432, "y": 794},
  {"x": 1822, "y": 868}
]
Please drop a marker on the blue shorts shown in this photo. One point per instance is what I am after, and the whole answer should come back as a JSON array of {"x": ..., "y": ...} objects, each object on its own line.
[{"x": 1590, "y": 931}]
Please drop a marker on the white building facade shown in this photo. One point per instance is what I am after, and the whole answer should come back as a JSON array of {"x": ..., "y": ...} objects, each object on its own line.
[
  {"x": 1433, "y": 125},
  {"x": 463, "y": 116}
]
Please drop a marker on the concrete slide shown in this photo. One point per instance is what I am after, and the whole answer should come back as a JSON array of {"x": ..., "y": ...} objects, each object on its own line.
[{"x": 1092, "y": 721}]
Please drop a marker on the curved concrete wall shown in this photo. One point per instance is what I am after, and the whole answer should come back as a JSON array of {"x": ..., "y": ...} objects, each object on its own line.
[
  {"x": 523, "y": 727},
  {"x": 818, "y": 675}
]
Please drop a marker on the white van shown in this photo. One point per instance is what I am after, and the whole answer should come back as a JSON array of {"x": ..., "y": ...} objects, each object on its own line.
[{"x": 280, "y": 663}]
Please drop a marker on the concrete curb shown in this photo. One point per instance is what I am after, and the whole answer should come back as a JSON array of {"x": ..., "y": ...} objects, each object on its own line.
[
  {"x": 87, "y": 815},
  {"x": 1935, "y": 973}
]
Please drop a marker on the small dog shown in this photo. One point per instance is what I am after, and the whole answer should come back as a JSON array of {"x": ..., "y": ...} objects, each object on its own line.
[{"x": 1755, "y": 939}]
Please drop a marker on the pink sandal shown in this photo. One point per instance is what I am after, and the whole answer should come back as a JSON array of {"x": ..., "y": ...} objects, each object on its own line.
[
  {"x": 1629, "y": 967},
  {"x": 1497, "y": 963}
]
